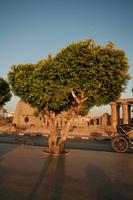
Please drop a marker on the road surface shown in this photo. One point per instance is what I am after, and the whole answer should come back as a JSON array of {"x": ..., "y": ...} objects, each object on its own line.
[{"x": 27, "y": 173}]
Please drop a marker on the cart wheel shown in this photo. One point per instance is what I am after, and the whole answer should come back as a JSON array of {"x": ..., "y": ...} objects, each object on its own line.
[{"x": 120, "y": 144}]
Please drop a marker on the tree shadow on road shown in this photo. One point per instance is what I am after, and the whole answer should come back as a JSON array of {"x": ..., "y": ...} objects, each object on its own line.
[
  {"x": 100, "y": 185},
  {"x": 59, "y": 178},
  {"x": 49, "y": 185},
  {"x": 102, "y": 188},
  {"x": 41, "y": 176}
]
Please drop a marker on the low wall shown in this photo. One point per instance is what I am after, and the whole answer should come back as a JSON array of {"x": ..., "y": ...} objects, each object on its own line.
[{"x": 75, "y": 132}]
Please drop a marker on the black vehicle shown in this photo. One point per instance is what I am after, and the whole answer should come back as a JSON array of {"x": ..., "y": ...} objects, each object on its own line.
[{"x": 122, "y": 140}]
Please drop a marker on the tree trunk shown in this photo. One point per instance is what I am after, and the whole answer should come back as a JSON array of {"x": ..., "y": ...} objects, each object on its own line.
[
  {"x": 56, "y": 144},
  {"x": 56, "y": 141},
  {"x": 52, "y": 141},
  {"x": 61, "y": 146},
  {"x": 64, "y": 134},
  {"x": 52, "y": 144}
]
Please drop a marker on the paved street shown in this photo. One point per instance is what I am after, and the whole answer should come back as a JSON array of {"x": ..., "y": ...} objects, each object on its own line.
[
  {"x": 27, "y": 173},
  {"x": 97, "y": 144},
  {"x": 72, "y": 143}
]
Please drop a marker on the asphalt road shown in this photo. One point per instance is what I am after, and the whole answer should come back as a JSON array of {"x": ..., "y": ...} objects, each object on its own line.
[
  {"x": 71, "y": 143},
  {"x": 27, "y": 173}
]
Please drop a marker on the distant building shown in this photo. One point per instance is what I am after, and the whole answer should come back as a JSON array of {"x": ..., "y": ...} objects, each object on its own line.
[
  {"x": 24, "y": 116},
  {"x": 120, "y": 113}
]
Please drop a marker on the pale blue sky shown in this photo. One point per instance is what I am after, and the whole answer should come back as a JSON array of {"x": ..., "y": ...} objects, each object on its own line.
[{"x": 31, "y": 29}]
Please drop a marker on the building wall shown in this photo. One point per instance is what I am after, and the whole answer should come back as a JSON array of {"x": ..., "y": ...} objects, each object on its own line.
[
  {"x": 81, "y": 126},
  {"x": 23, "y": 112}
]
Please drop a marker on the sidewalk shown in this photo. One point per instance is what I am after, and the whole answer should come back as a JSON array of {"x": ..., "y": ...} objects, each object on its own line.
[{"x": 26, "y": 173}]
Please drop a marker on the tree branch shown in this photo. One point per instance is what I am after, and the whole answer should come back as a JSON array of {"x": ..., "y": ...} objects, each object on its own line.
[
  {"x": 79, "y": 99},
  {"x": 75, "y": 97},
  {"x": 98, "y": 87}
]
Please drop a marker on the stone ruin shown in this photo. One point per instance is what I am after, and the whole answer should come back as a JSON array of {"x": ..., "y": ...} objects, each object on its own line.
[{"x": 121, "y": 113}]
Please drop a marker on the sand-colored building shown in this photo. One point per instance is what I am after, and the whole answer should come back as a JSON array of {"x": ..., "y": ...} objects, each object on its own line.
[
  {"x": 120, "y": 113},
  {"x": 25, "y": 116}
]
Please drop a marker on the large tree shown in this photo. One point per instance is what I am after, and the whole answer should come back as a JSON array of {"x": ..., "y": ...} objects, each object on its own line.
[
  {"x": 79, "y": 77},
  {"x": 5, "y": 94}
]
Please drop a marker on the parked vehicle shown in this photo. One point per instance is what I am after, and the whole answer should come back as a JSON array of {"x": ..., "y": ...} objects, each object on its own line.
[{"x": 122, "y": 140}]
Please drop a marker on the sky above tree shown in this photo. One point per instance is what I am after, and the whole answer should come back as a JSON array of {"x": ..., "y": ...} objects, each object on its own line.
[{"x": 31, "y": 29}]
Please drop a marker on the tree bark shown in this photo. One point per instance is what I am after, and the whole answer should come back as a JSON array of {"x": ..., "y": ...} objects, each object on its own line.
[
  {"x": 56, "y": 142},
  {"x": 52, "y": 144},
  {"x": 52, "y": 140},
  {"x": 64, "y": 134}
]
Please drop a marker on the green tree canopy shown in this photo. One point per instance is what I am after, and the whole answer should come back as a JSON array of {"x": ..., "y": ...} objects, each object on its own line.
[
  {"x": 5, "y": 94},
  {"x": 98, "y": 72}
]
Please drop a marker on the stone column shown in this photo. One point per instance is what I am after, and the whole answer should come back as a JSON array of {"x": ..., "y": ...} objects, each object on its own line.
[
  {"x": 125, "y": 113},
  {"x": 129, "y": 113},
  {"x": 95, "y": 121},
  {"x": 105, "y": 119},
  {"x": 114, "y": 114},
  {"x": 118, "y": 114}
]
